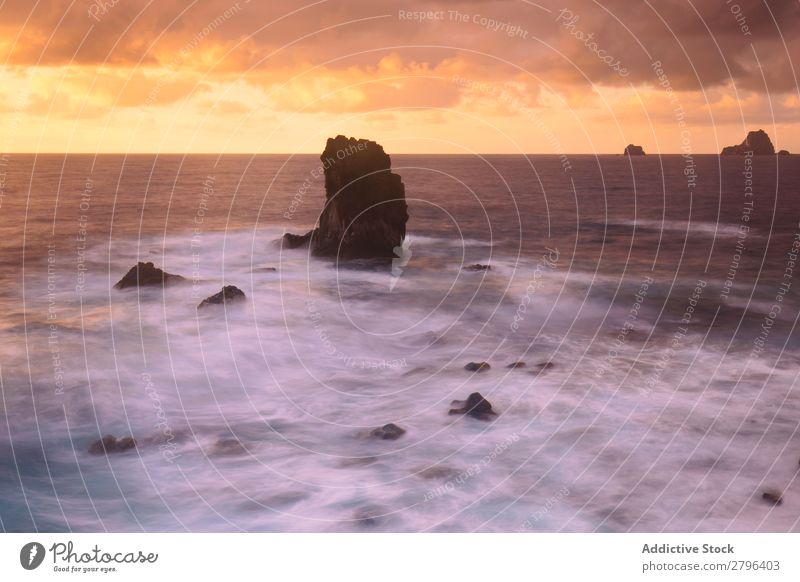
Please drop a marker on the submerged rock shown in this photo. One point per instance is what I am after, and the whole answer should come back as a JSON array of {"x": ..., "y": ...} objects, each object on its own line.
[
  {"x": 146, "y": 275},
  {"x": 773, "y": 497},
  {"x": 516, "y": 365},
  {"x": 477, "y": 367},
  {"x": 229, "y": 294},
  {"x": 365, "y": 211},
  {"x": 475, "y": 406},
  {"x": 757, "y": 142},
  {"x": 438, "y": 472},
  {"x": 228, "y": 447},
  {"x": 388, "y": 432},
  {"x": 634, "y": 150},
  {"x": 111, "y": 444},
  {"x": 295, "y": 241},
  {"x": 477, "y": 267}
]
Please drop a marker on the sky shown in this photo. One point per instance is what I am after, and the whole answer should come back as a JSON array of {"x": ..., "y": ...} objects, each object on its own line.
[{"x": 280, "y": 76}]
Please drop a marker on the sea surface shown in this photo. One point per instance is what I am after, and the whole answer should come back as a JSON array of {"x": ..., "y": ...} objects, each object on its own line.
[{"x": 662, "y": 291}]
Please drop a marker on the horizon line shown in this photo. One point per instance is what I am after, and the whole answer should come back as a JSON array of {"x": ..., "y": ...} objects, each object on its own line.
[{"x": 389, "y": 153}]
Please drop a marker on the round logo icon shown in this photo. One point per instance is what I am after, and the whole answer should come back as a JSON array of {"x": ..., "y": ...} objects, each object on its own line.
[{"x": 31, "y": 555}]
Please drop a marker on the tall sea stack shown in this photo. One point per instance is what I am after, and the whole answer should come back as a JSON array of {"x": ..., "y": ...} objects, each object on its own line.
[{"x": 365, "y": 211}]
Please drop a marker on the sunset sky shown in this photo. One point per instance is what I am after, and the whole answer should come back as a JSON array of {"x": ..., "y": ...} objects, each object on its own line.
[{"x": 469, "y": 76}]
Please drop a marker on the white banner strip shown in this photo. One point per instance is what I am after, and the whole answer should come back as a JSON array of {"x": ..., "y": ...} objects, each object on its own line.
[{"x": 400, "y": 557}]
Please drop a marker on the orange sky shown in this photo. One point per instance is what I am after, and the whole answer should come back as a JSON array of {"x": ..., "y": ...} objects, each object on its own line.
[{"x": 512, "y": 76}]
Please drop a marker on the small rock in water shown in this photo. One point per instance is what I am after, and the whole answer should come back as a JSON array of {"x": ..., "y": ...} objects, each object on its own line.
[
  {"x": 516, "y": 365},
  {"x": 146, "y": 275},
  {"x": 388, "y": 432},
  {"x": 477, "y": 367},
  {"x": 477, "y": 267},
  {"x": 773, "y": 497},
  {"x": 475, "y": 406},
  {"x": 110, "y": 444},
  {"x": 229, "y": 294},
  {"x": 369, "y": 516},
  {"x": 438, "y": 472},
  {"x": 542, "y": 367},
  {"x": 229, "y": 447}
]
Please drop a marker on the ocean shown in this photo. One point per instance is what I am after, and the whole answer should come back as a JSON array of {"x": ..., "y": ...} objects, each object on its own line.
[{"x": 653, "y": 300}]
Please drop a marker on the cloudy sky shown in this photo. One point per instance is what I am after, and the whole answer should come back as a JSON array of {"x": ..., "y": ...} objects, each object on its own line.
[{"x": 511, "y": 76}]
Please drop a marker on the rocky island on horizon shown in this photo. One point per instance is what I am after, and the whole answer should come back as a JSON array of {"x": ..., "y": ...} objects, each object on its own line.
[{"x": 757, "y": 142}]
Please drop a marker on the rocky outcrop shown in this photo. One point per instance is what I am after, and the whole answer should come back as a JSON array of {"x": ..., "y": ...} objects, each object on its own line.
[
  {"x": 516, "y": 365},
  {"x": 784, "y": 153},
  {"x": 365, "y": 211},
  {"x": 229, "y": 294},
  {"x": 146, "y": 275},
  {"x": 477, "y": 367},
  {"x": 757, "y": 142},
  {"x": 388, "y": 432},
  {"x": 111, "y": 444},
  {"x": 296, "y": 241},
  {"x": 477, "y": 267},
  {"x": 772, "y": 496},
  {"x": 475, "y": 406},
  {"x": 634, "y": 150}
]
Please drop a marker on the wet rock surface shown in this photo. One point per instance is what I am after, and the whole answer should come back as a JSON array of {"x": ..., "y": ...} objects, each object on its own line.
[
  {"x": 475, "y": 406},
  {"x": 229, "y": 294},
  {"x": 388, "y": 432},
  {"x": 146, "y": 275},
  {"x": 111, "y": 444},
  {"x": 477, "y": 367}
]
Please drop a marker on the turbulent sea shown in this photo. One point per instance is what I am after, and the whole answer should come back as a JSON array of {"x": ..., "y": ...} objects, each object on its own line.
[{"x": 663, "y": 291}]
